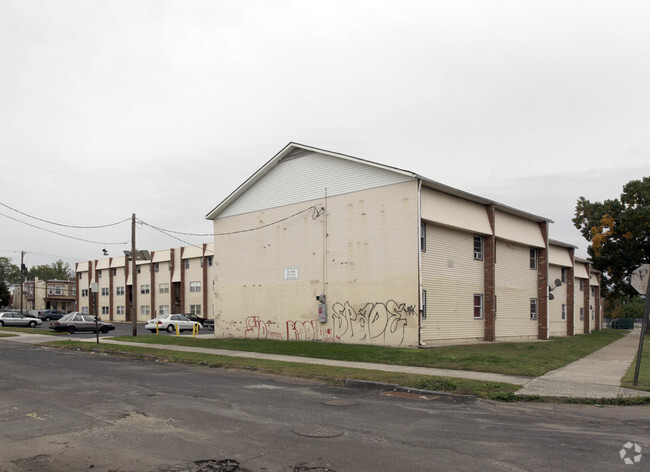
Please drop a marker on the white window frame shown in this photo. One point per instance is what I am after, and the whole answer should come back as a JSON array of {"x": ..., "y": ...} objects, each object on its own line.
[
  {"x": 144, "y": 289},
  {"x": 533, "y": 258},
  {"x": 195, "y": 286},
  {"x": 119, "y": 290},
  {"x": 478, "y": 255},
  {"x": 187, "y": 263},
  {"x": 145, "y": 310},
  {"x": 105, "y": 291},
  {"x": 534, "y": 308},
  {"x": 479, "y": 306},
  {"x": 195, "y": 309},
  {"x": 163, "y": 310},
  {"x": 563, "y": 312},
  {"x": 119, "y": 310},
  {"x": 105, "y": 310}
]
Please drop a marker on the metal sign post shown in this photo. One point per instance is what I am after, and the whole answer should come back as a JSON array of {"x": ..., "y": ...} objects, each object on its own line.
[{"x": 640, "y": 283}]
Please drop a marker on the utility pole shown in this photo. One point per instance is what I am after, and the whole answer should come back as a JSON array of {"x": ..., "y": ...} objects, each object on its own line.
[
  {"x": 134, "y": 280},
  {"x": 22, "y": 279}
]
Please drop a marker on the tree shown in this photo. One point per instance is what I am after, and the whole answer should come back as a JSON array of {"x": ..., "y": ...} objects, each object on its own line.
[
  {"x": 58, "y": 270},
  {"x": 9, "y": 273},
  {"x": 5, "y": 296},
  {"x": 619, "y": 231}
]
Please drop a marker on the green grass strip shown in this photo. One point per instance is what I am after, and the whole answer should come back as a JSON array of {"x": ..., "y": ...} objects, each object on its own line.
[
  {"x": 515, "y": 358},
  {"x": 644, "y": 371}
]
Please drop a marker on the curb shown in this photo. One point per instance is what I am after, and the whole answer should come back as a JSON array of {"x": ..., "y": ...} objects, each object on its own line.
[{"x": 370, "y": 385}]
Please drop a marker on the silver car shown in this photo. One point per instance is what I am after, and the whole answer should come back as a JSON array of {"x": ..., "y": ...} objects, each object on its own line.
[
  {"x": 75, "y": 321},
  {"x": 8, "y": 318}
]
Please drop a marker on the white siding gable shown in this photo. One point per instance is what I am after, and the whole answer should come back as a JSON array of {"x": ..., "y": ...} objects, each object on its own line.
[{"x": 305, "y": 178}]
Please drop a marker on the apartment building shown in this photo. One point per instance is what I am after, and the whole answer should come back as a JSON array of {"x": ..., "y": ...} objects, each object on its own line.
[
  {"x": 176, "y": 280},
  {"x": 318, "y": 245}
]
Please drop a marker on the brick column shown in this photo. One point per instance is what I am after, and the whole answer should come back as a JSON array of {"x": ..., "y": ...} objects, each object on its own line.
[
  {"x": 586, "y": 304},
  {"x": 570, "y": 295},
  {"x": 110, "y": 289},
  {"x": 183, "y": 310},
  {"x": 489, "y": 280},
  {"x": 542, "y": 285},
  {"x": 597, "y": 306}
]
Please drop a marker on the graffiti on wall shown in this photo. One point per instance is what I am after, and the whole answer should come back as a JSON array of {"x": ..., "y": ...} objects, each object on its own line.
[
  {"x": 379, "y": 323},
  {"x": 374, "y": 323}
]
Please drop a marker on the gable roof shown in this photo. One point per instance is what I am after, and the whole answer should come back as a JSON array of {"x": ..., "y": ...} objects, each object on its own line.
[{"x": 296, "y": 150}]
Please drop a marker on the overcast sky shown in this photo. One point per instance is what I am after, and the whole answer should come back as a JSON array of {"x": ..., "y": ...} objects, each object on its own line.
[{"x": 162, "y": 108}]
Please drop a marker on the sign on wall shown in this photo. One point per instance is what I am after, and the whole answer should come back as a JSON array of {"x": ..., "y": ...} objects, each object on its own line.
[{"x": 291, "y": 273}]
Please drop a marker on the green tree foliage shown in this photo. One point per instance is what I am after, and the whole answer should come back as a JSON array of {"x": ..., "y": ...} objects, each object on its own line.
[
  {"x": 9, "y": 273},
  {"x": 58, "y": 270},
  {"x": 624, "y": 307},
  {"x": 619, "y": 232},
  {"x": 5, "y": 296}
]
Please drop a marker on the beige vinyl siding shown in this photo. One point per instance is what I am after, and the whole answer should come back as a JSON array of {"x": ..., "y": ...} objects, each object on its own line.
[
  {"x": 453, "y": 211},
  {"x": 515, "y": 285},
  {"x": 557, "y": 326},
  {"x": 559, "y": 256},
  {"x": 306, "y": 178},
  {"x": 518, "y": 230},
  {"x": 579, "y": 302},
  {"x": 451, "y": 277}
]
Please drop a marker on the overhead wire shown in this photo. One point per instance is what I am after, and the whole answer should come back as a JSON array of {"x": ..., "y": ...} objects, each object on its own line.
[
  {"x": 61, "y": 224},
  {"x": 105, "y": 243}
]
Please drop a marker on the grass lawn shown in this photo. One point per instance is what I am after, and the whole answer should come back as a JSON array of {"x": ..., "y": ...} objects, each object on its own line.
[
  {"x": 644, "y": 371},
  {"x": 328, "y": 374},
  {"x": 525, "y": 358}
]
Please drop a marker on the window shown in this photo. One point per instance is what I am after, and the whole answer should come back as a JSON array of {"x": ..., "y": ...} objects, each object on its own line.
[
  {"x": 564, "y": 271},
  {"x": 156, "y": 267},
  {"x": 195, "y": 309},
  {"x": 74, "y": 291},
  {"x": 104, "y": 310},
  {"x": 187, "y": 263},
  {"x": 209, "y": 261},
  {"x": 144, "y": 289},
  {"x": 163, "y": 310},
  {"x": 119, "y": 290},
  {"x": 582, "y": 313},
  {"x": 99, "y": 274},
  {"x": 50, "y": 290},
  {"x": 424, "y": 304},
  {"x": 144, "y": 309},
  {"x": 58, "y": 290},
  {"x": 564, "y": 312},
  {"x": 582, "y": 285},
  {"x": 533, "y": 308},
  {"x": 495, "y": 307},
  {"x": 80, "y": 275},
  {"x": 533, "y": 258},
  {"x": 478, "y": 247},
  {"x": 84, "y": 309},
  {"x": 163, "y": 288},
  {"x": 478, "y": 306},
  {"x": 114, "y": 272},
  {"x": 423, "y": 237},
  {"x": 104, "y": 291},
  {"x": 139, "y": 269},
  {"x": 84, "y": 292},
  {"x": 195, "y": 286},
  {"x": 592, "y": 314},
  {"x": 120, "y": 310},
  {"x": 593, "y": 291}
]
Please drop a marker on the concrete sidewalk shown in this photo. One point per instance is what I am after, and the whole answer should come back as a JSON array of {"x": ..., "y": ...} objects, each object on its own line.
[{"x": 595, "y": 376}]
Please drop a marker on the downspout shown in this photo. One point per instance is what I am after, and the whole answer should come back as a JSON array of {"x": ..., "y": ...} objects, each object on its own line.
[{"x": 419, "y": 223}]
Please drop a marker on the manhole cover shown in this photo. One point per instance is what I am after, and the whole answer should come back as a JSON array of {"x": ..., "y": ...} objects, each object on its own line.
[
  {"x": 318, "y": 432},
  {"x": 339, "y": 403}
]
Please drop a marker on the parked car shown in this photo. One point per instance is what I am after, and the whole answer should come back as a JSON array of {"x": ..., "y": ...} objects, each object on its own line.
[
  {"x": 207, "y": 323},
  {"x": 48, "y": 315},
  {"x": 75, "y": 321},
  {"x": 169, "y": 323},
  {"x": 8, "y": 318}
]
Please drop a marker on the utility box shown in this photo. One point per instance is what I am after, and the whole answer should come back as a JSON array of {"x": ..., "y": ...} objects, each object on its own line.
[{"x": 322, "y": 313}]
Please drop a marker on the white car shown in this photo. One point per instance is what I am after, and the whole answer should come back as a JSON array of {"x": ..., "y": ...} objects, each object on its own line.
[
  {"x": 16, "y": 319},
  {"x": 169, "y": 323}
]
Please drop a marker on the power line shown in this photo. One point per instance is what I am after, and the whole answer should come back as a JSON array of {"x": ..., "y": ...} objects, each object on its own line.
[
  {"x": 60, "y": 234},
  {"x": 317, "y": 211},
  {"x": 61, "y": 224}
]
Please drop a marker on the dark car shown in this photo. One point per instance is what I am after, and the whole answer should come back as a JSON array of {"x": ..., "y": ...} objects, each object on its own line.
[
  {"x": 48, "y": 315},
  {"x": 206, "y": 322},
  {"x": 73, "y": 322}
]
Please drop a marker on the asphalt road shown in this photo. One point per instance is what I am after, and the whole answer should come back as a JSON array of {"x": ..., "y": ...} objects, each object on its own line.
[{"x": 70, "y": 411}]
